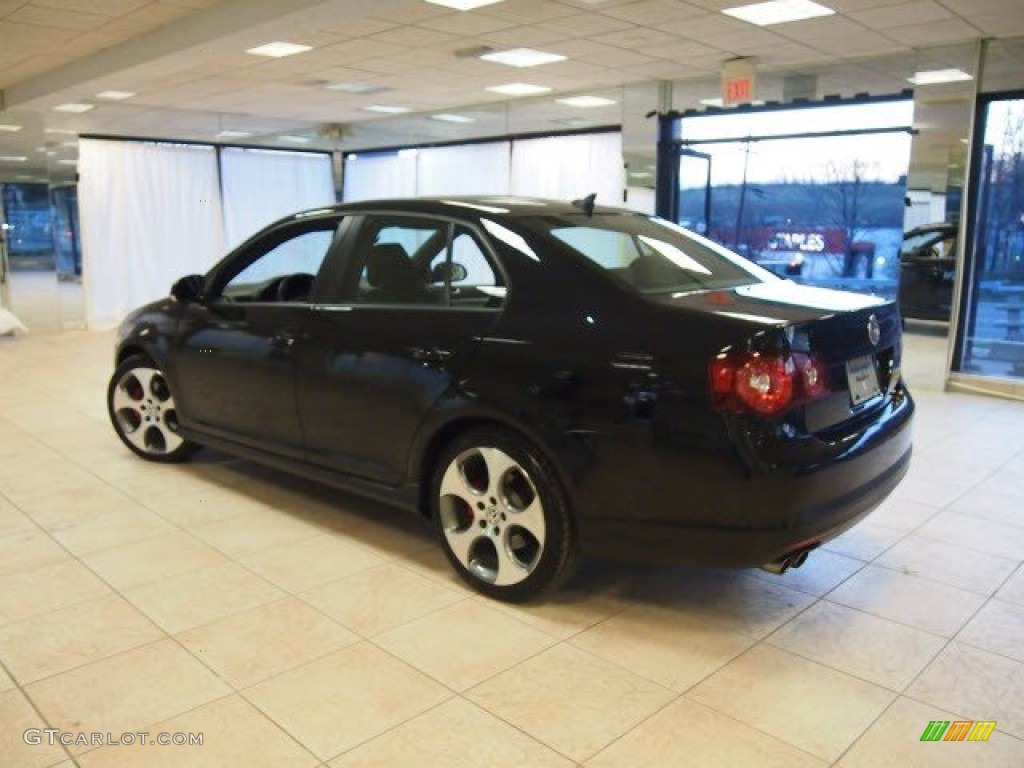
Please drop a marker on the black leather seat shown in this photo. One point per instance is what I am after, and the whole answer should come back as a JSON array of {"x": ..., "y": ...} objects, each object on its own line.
[{"x": 394, "y": 279}]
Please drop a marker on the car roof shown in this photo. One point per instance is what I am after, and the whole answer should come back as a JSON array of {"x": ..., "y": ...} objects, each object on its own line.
[
  {"x": 945, "y": 227},
  {"x": 498, "y": 206}
]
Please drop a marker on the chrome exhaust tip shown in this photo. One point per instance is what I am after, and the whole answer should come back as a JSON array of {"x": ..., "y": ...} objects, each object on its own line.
[{"x": 783, "y": 564}]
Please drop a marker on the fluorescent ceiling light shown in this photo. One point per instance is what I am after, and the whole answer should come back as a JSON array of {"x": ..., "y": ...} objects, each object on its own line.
[
  {"x": 386, "y": 109},
  {"x": 73, "y": 107},
  {"x": 13, "y": 159},
  {"x": 585, "y": 102},
  {"x": 463, "y": 5},
  {"x": 8, "y": 128},
  {"x": 115, "y": 95},
  {"x": 518, "y": 89},
  {"x": 522, "y": 57},
  {"x": 279, "y": 50},
  {"x": 229, "y": 134},
  {"x": 449, "y": 118},
  {"x": 357, "y": 87},
  {"x": 68, "y": 162},
  {"x": 63, "y": 131},
  {"x": 715, "y": 102},
  {"x": 295, "y": 139},
  {"x": 71, "y": 144},
  {"x": 778, "y": 12},
  {"x": 936, "y": 76}
]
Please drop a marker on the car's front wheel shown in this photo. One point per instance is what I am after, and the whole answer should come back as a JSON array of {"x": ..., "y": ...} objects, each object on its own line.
[
  {"x": 502, "y": 515},
  {"x": 143, "y": 411}
]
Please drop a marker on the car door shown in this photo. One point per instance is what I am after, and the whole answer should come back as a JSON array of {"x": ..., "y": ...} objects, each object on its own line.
[
  {"x": 393, "y": 335},
  {"x": 235, "y": 350}
]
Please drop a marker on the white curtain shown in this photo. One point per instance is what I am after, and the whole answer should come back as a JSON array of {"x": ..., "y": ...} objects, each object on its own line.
[
  {"x": 261, "y": 186},
  {"x": 150, "y": 213},
  {"x": 376, "y": 177},
  {"x": 569, "y": 167},
  {"x": 470, "y": 169}
]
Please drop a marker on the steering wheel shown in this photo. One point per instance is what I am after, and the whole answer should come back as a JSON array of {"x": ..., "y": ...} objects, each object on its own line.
[{"x": 294, "y": 287}]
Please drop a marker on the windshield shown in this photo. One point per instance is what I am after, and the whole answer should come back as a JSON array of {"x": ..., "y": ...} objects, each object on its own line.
[
  {"x": 651, "y": 255},
  {"x": 924, "y": 240}
]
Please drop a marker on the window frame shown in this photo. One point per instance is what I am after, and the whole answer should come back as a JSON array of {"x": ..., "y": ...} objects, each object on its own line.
[
  {"x": 263, "y": 244},
  {"x": 331, "y": 295}
]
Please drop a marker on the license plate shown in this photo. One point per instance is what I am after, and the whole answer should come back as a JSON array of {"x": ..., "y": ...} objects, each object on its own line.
[{"x": 862, "y": 378}]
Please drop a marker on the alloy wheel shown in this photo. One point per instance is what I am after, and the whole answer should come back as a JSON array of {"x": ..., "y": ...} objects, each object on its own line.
[{"x": 144, "y": 411}]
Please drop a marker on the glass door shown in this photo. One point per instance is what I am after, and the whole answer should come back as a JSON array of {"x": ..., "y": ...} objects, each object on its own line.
[
  {"x": 694, "y": 201},
  {"x": 992, "y": 342}
]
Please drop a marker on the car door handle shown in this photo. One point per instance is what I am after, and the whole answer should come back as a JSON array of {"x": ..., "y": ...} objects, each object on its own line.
[
  {"x": 430, "y": 355},
  {"x": 282, "y": 341}
]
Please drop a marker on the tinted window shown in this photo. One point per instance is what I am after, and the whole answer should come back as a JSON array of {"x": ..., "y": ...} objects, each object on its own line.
[
  {"x": 651, "y": 255},
  {"x": 405, "y": 260},
  {"x": 298, "y": 257}
]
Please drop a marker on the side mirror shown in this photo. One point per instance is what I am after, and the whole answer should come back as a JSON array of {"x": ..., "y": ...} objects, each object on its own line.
[
  {"x": 446, "y": 272},
  {"x": 188, "y": 289}
]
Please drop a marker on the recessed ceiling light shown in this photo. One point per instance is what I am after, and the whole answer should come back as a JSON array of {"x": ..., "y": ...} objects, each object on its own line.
[
  {"x": 63, "y": 131},
  {"x": 778, "y": 12},
  {"x": 8, "y": 128},
  {"x": 386, "y": 109},
  {"x": 13, "y": 159},
  {"x": 449, "y": 118},
  {"x": 67, "y": 162},
  {"x": 357, "y": 87},
  {"x": 69, "y": 144},
  {"x": 229, "y": 134},
  {"x": 936, "y": 76},
  {"x": 522, "y": 57},
  {"x": 518, "y": 89},
  {"x": 463, "y": 5},
  {"x": 585, "y": 102},
  {"x": 295, "y": 139},
  {"x": 115, "y": 95},
  {"x": 279, "y": 50},
  {"x": 715, "y": 102},
  {"x": 73, "y": 107}
]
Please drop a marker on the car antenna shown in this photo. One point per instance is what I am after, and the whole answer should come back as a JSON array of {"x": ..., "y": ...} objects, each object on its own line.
[{"x": 586, "y": 204}]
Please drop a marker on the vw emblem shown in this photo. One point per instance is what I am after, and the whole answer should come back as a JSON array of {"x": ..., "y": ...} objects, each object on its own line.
[{"x": 874, "y": 330}]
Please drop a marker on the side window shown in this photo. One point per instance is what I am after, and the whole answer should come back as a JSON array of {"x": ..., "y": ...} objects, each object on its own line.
[
  {"x": 391, "y": 261},
  {"x": 285, "y": 272},
  {"x": 474, "y": 279}
]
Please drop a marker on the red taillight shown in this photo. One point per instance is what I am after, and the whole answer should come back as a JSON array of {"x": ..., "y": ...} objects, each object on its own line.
[{"x": 764, "y": 383}]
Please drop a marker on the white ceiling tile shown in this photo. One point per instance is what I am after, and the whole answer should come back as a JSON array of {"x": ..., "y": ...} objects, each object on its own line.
[
  {"x": 528, "y": 11},
  {"x": 901, "y": 14},
  {"x": 616, "y": 57},
  {"x": 61, "y": 18},
  {"x": 525, "y": 36},
  {"x": 638, "y": 38},
  {"x": 110, "y": 8},
  {"x": 466, "y": 23},
  {"x": 416, "y": 37},
  {"x": 587, "y": 25},
  {"x": 653, "y": 12},
  {"x": 1000, "y": 24},
  {"x": 934, "y": 33}
]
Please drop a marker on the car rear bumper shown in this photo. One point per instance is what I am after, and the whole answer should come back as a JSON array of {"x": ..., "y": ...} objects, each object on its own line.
[{"x": 786, "y": 511}]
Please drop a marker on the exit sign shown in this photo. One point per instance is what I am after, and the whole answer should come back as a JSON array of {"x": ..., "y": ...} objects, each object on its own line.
[{"x": 739, "y": 81}]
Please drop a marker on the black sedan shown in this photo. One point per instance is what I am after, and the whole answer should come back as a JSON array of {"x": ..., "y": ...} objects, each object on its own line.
[
  {"x": 542, "y": 379},
  {"x": 927, "y": 272}
]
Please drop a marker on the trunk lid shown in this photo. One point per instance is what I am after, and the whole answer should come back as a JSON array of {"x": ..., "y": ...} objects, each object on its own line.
[{"x": 856, "y": 338}]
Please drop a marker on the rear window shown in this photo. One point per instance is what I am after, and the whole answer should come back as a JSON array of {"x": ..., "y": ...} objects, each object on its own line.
[{"x": 652, "y": 255}]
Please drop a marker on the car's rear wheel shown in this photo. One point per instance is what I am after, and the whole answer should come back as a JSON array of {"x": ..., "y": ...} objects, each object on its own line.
[
  {"x": 502, "y": 515},
  {"x": 143, "y": 412}
]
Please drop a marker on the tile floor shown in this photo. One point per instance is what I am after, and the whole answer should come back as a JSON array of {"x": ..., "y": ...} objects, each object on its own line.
[{"x": 294, "y": 626}]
